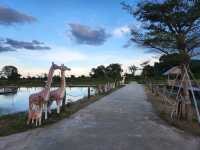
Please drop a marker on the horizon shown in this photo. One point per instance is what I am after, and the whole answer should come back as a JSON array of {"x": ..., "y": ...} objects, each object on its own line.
[{"x": 80, "y": 35}]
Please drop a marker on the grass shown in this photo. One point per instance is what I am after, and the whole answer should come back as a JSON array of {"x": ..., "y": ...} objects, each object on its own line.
[
  {"x": 164, "y": 112},
  {"x": 15, "y": 123}
]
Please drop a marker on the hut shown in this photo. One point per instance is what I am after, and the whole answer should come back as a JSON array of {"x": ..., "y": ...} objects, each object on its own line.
[{"x": 174, "y": 71}]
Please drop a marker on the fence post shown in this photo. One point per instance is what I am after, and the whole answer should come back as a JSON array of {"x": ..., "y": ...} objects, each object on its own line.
[
  {"x": 64, "y": 100},
  {"x": 88, "y": 92}
]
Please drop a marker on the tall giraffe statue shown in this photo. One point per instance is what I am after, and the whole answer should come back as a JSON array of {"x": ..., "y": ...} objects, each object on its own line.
[
  {"x": 59, "y": 93},
  {"x": 40, "y": 99}
]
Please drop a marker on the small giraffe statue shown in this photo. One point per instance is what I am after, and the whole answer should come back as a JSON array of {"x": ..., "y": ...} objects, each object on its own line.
[
  {"x": 59, "y": 93},
  {"x": 40, "y": 99},
  {"x": 35, "y": 114}
]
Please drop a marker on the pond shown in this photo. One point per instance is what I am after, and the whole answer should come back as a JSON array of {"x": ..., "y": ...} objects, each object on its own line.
[{"x": 18, "y": 102}]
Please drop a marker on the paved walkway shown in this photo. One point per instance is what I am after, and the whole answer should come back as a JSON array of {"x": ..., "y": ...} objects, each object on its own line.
[{"x": 123, "y": 120}]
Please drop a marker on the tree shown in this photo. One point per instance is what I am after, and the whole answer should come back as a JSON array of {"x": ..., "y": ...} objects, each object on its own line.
[
  {"x": 132, "y": 69},
  {"x": 56, "y": 78},
  {"x": 114, "y": 72},
  {"x": 99, "y": 72},
  {"x": 148, "y": 72},
  {"x": 10, "y": 72},
  {"x": 111, "y": 72},
  {"x": 167, "y": 61},
  {"x": 169, "y": 26}
]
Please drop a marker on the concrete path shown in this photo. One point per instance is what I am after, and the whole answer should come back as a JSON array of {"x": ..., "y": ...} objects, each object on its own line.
[{"x": 123, "y": 120}]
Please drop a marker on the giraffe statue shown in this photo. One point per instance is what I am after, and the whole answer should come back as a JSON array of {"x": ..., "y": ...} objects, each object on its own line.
[
  {"x": 59, "y": 93},
  {"x": 35, "y": 114},
  {"x": 39, "y": 100}
]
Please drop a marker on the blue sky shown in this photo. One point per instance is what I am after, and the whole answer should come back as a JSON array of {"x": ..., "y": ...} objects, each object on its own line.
[{"x": 81, "y": 34}]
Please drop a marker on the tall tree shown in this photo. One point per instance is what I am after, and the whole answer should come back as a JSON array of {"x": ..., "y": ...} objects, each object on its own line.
[
  {"x": 168, "y": 26},
  {"x": 99, "y": 72},
  {"x": 114, "y": 72}
]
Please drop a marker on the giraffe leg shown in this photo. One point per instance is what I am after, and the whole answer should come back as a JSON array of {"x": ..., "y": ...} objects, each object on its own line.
[
  {"x": 40, "y": 121},
  {"x": 58, "y": 106},
  {"x": 58, "y": 109},
  {"x": 49, "y": 110},
  {"x": 49, "y": 107},
  {"x": 28, "y": 121},
  {"x": 45, "y": 111}
]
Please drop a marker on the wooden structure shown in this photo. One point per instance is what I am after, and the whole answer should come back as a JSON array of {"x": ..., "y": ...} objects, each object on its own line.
[
  {"x": 173, "y": 71},
  {"x": 185, "y": 95}
]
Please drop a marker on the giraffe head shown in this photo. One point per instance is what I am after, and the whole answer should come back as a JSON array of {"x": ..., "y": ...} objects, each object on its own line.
[
  {"x": 54, "y": 66},
  {"x": 63, "y": 68}
]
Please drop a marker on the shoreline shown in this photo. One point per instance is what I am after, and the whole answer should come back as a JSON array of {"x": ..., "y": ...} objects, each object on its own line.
[{"x": 16, "y": 123}]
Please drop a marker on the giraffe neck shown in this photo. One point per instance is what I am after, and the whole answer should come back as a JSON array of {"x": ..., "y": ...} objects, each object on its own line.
[
  {"x": 49, "y": 79},
  {"x": 62, "y": 80}
]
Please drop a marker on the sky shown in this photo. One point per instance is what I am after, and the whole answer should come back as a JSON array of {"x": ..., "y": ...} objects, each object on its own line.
[{"x": 81, "y": 34}]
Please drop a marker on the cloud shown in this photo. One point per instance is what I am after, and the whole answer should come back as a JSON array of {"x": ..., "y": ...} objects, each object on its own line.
[
  {"x": 9, "y": 16},
  {"x": 121, "y": 31},
  {"x": 6, "y": 48},
  {"x": 63, "y": 55},
  {"x": 77, "y": 71},
  {"x": 8, "y": 44},
  {"x": 83, "y": 34},
  {"x": 58, "y": 54},
  {"x": 33, "y": 45}
]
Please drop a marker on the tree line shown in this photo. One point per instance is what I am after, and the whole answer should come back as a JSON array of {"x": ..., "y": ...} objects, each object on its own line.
[{"x": 100, "y": 74}]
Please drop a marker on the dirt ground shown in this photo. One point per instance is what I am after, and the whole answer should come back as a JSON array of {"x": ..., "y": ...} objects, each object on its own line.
[{"x": 164, "y": 110}]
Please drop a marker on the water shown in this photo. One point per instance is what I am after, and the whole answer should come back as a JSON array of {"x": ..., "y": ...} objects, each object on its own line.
[{"x": 18, "y": 102}]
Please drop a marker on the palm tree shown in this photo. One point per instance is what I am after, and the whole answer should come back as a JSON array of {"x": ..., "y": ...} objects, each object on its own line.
[{"x": 132, "y": 69}]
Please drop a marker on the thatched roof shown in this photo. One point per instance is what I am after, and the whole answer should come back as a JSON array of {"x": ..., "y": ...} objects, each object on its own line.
[{"x": 173, "y": 70}]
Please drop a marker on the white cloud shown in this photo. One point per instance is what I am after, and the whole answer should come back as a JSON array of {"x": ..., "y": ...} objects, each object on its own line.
[
  {"x": 77, "y": 71},
  {"x": 121, "y": 31},
  {"x": 65, "y": 55},
  {"x": 38, "y": 63},
  {"x": 58, "y": 55}
]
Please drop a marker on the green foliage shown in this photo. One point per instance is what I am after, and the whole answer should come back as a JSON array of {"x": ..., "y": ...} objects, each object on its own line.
[
  {"x": 168, "y": 61},
  {"x": 148, "y": 71},
  {"x": 10, "y": 72},
  {"x": 109, "y": 73},
  {"x": 114, "y": 71},
  {"x": 168, "y": 26},
  {"x": 99, "y": 72}
]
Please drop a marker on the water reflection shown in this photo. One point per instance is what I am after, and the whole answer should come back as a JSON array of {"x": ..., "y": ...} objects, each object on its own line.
[{"x": 17, "y": 102}]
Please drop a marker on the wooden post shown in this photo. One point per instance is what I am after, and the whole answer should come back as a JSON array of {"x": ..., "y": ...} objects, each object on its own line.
[
  {"x": 88, "y": 92},
  {"x": 63, "y": 101},
  {"x": 193, "y": 96}
]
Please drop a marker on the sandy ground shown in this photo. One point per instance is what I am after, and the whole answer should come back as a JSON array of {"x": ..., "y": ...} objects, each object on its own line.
[{"x": 123, "y": 120}]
